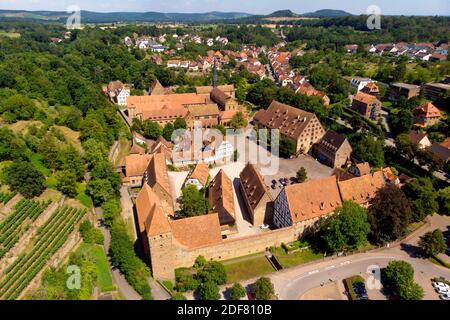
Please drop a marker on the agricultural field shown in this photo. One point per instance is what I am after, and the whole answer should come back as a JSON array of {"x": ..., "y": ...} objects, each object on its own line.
[
  {"x": 5, "y": 197},
  {"x": 25, "y": 212},
  {"x": 49, "y": 239}
]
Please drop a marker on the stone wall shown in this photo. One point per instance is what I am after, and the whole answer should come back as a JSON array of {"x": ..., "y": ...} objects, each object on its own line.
[{"x": 233, "y": 248}]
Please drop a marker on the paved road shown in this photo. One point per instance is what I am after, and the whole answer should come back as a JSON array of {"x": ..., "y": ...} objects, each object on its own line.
[{"x": 294, "y": 282}]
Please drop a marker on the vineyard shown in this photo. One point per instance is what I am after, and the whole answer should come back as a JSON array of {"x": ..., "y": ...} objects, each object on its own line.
[
  {"x": 6, "y": 196},
  {"x": 50, "y": 237},
  {"x": 24, "y": 213}
]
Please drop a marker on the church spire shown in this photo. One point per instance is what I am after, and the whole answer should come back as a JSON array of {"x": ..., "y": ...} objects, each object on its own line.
[{"x": 214, "y": 81}]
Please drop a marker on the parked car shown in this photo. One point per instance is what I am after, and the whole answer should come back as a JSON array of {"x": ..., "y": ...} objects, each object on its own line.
[
  {"x": 264, "y": 226},
  {"x": 441, "y": 285},
  {"x": 274, "y": 181},
  {"x": 445, "y": 296},
  {"x": 274, "y": 186}
]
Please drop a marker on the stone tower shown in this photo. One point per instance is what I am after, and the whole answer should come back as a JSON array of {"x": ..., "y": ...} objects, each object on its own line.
[{"x": 162, "y": 254}]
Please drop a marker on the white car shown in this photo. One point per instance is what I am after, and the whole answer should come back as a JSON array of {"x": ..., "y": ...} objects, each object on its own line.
[
  {"x": 441, "y": 285},
  {"x": 442, "y": 290},
  {"x": 445, "y": 296},
  {"x": 264, "y": 226}
]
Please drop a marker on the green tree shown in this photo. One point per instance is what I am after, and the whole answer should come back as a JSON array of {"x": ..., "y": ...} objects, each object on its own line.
[
  {"x": 152, "y": 130},
  {"x": 406, "y": 147},
  {"x": 100, "y": 190},
  {"x": 179, "y": 123},
  {"x": 90, "y": 234},
  {"x": 25, "y": 178},
  {"x": 237, "y": 291},
  {"x": 287, "y": 147},
  {"x": 433, "y": 243},
  {"x": 200, "y": 262},
  {"x": 302, "y": 175},
  {"x": 213, "y": 271},
  {"x": 263, "y": 289},
  {"x": 443, "y": 200},
  {"x": 67, "y": 183},
  {"x": 209, "y": 291},
  {"x": 178, "y": 296},
  {"x": 423, "y": 196},
  {"x": 167, "y": 131},
  {"x": 346, "y": 229},
  {"x": 366, "y": 148},
  {"x": 400, "y": 274},
  {"x": 111, "y": 211},
  {"x": 238, "y": 121},
  {"x": 389, "y": 214},
  {"x": 193, "y": 202}
]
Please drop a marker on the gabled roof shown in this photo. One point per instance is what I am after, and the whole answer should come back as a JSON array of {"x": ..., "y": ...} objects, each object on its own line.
[
  {"x": 416, "y": 136},
  {"x": 200, "y": 172},
  {"x": 313, "y": 199},
  {"x": 446, "y": 143},
  {"x": 135, "y": 149},
  {"x": 228, "y": 89},
  {"x": 157, "y": 172},
  {"x": 198, "y": 231},
  {"x": 332, "y": 140},
  {"x": 361, "y": 189},
  {"x": 156, "y": 88},
  {"x": 365, "y": 98},
  {"x": 204, "y": 110},
  {"x": 364, "y": 168},
  {"x": 149, "y": 212},
  {"x": 427, "y": 110},
  {"x": 289, "y": 120},
  {"x": 221, "y": 199},
  {"x": 440, "y": 151},
  {"x": 219, "y": 96},
  {"x": 136, "y": 164},
  {"x": 253, "y": 185}
]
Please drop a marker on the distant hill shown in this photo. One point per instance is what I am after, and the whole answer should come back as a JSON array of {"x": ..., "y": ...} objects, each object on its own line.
[
  {"x": 327, "y": 13},
  {"x": 282, "y": 13},
  {"x": 110, "y": 17}
]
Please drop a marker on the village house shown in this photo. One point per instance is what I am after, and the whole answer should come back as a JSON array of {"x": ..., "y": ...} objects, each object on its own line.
[
  {"x": 367, "y": 105},
  {"x": 441, "y": 152},
  {"x": 403, "y": 90},
  {"x": 135, "y": 167},
  {"x": 198, "y": 176},
  {"x": 372, "y": 89},
  {"x": 256, "y": 195},
  {"x": 426, "y": 115},
  {"x": 420, "y": 138},
  {"x": 118, "y": 92},
  {"x": 302, "y": 205},
  {"x": 359, "y": 169},
  {"x": 333, "y": 149},
  {"x": 302, "y": 127},
  {"x": 221, "y": 198},
  {"x": 434, "y": 91},
  {"x": 358, "y": 82},
  {"x": 351, "y": 48}
]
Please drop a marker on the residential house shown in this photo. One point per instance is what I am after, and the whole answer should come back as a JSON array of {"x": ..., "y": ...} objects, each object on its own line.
[
  {"x": 367, "y": 105},
  {"x": 256, "y": 194},
  {"x": 299, "y": 126},
  {"x": 333, "y": 149},
  {"x": 420, "y": 138},
  {"x": 434, "y": 91},
  {"x": 135, "y": 167},
  {"x": 198, "y": 176},
  {"x": 221, "y": 198},
  {"x": 441, "y": 152},
  {"x": 118, "y": 92},
  {"x": 403, "y": 90},
  {"x": 359, "y": 83},
  {"x": 372, "y": 89},
  {"x": 426, "y": 115}
]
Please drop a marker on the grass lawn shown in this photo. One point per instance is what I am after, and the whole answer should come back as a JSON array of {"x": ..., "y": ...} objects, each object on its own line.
[
  {"x": 295, "y": 258},
  {"x": 105, "y": 280},
  {"x": 82, "y": 196},
  {"x": 246, "y": 269},
  {"x": 124, "y": 148},
  {"x": 72, "y": 136},
  {"x": 36, "y": 159}
]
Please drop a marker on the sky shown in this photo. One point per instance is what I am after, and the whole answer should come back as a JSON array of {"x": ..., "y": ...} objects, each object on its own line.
[{"x": 389, "y": 7}]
